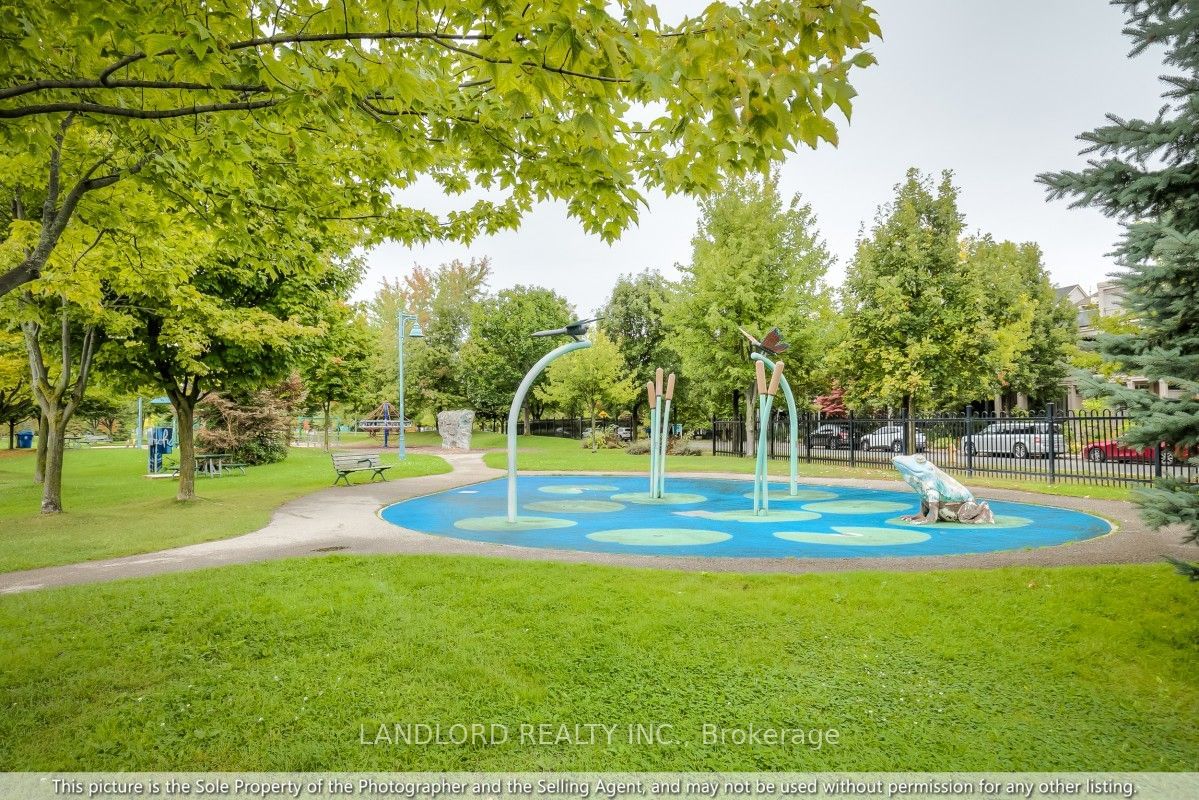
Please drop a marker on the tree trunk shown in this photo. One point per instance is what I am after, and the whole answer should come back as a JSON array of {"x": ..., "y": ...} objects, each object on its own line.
[
  {"x": 185, "y": 413},
  {"x": 635, "y": 421},
  {"x": 55, "y": 447},
  {"x": 528, "y": 419},
  {"x": 43, "y": 433},
  {"x": 751, "y": 420},
  {"x": 12, "y": 434},
  {"x": 57, "y": 400},
  {"x": 594, "y": 441},
  {"x": 326, "y": 409}
]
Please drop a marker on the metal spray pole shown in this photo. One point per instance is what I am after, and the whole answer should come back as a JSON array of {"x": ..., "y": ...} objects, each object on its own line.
[
  {"x": 794, "y": 420},
  {"x": 665, "y": 436},
  {"x": 760, "y": 375},
  {"x": 653, "y": 438}
]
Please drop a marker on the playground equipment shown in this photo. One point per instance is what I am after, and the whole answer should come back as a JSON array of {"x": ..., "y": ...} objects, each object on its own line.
[
  {"x": 659, "y": 431},
  {"x": 576, "y": 330},
  {"x": 766, "y": 393},
  {"x": 161, "y": 444},
  {"x": 381, "y": 420},
  {"x": 310, "y": 432}
]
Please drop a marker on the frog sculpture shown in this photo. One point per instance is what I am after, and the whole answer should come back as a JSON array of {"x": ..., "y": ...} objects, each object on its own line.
[{"x": 942, "y": 499}]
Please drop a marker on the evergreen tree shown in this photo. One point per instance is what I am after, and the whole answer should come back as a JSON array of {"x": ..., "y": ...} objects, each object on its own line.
[
  {"x": 1146, "y": 173},
  {"x": 917, "y": 331}
]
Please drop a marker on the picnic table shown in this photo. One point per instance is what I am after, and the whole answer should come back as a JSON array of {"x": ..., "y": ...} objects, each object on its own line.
[
  {"x": 86, "y": 440},
  {"x": 214, "y": 464}
]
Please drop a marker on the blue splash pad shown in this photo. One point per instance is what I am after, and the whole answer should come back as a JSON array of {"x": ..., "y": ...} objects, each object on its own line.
[{"x": 616, "y": 526}]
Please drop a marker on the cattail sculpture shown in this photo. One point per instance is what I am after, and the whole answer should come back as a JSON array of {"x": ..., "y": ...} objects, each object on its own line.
[{"x": 766, "y": 392}]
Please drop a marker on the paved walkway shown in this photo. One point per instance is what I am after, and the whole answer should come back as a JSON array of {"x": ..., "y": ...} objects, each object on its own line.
[{"x": 345, "y": 520}]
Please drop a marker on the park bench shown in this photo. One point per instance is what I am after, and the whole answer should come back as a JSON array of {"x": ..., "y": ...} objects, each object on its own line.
[{"x": 345, "y": 464}]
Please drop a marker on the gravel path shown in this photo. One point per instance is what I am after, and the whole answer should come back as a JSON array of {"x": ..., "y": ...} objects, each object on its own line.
[{"x": 345, "y": 520}]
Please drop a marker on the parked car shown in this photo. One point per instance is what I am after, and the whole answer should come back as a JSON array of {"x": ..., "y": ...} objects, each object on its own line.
[
  {"x": 831, "y": 436},
  {"x": 1017, "y": 438},
  {"x": 1112, "y": 450},
  {"x": 624, "y": 433},
  {"x": 889, "y": 437}
]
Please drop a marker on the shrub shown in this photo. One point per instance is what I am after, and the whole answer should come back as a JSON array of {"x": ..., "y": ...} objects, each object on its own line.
[{"x": 255, "y": 428}]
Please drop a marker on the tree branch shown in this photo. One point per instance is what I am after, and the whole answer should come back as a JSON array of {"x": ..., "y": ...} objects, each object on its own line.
[{"x": 81, "y": 107}]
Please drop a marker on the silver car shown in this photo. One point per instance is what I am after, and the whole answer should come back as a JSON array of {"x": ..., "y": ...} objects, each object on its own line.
[
  {"x": 1016, "y": 438},
  {"x": 889, "y": 437}
]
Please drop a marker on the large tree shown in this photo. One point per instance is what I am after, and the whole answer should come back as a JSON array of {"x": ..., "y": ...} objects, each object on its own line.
[
  {"x": 1035, "y": 330},
  {"x": 500, "y": 349},
  {"x": 442, "y": 300},
  {"x": 235, "y": 325},
  {"x": 633, "y": 318},
  {"x": 1145, "y": 172},
  {"x": 338, "y": 363},
  {"x": 322, "y": 110},
  {"x": 757, "y": 262},
  {"x": 917, "y": 333}
]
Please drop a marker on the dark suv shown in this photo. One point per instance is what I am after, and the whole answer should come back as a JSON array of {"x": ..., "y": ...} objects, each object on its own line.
[{"x": 832, "y": 436}]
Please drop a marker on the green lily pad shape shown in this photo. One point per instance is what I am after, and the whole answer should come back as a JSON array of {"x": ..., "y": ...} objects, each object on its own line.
[
  {"x": 577, "y": 489},
  {"x": 574, "y": 506},
  {"x": 800, "y": 494},
  {"x": 659, "y": 537},
  {"x": 1000, "y": 522},
  {"x": 501, "y": 524},
  {"x": 667, "y": 498},
  {"x": 748, "y": 515},
  {"x": 856, "y": 507},
  {"x": 856, "y": 537}
]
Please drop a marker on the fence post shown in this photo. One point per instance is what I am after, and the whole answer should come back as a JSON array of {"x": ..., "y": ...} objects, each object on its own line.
[
  {"x": 713, "y": 429},
  {"x": 853, "y": 443},
  {"x": 1157, "y": 460},
  {"x": 970, "y": 441},
  {"x": 807, "y": 435},
  {"x": 1049, "y": 412}
]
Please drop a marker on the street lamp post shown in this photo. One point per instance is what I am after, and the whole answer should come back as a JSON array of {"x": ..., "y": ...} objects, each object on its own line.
[{"x": 402, "y": 320}]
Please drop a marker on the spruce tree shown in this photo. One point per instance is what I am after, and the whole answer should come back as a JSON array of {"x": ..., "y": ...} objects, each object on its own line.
[{"x": 1146, "y": 173}]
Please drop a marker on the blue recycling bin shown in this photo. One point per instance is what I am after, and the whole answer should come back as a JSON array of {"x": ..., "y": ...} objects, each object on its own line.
[
  {"x": 160, "y": 445},
  {"x": 24, "y": 440}
]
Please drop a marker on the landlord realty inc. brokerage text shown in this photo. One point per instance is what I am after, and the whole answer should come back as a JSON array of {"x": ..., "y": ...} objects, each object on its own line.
[{"x": 554, "y": 734}]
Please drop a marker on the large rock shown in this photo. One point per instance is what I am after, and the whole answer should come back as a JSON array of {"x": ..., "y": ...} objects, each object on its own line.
[{"x": 455, "y": 428}]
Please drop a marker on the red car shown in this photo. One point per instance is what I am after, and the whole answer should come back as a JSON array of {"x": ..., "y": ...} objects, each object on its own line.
[{"x": 1112, "y": 450}]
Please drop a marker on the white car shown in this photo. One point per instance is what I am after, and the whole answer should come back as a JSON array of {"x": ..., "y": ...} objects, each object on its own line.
[
  {"x": 889, "y": 437},
  {"x": 1016, "y": 438}
]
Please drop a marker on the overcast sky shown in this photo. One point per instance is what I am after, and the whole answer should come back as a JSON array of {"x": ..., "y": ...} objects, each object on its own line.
[{"x": 995, "y": 91}]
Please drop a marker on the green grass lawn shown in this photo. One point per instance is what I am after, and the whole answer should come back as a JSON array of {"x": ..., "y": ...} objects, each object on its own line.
[
  {"x": 281, "y": 666},
  {"x": 112, "y": 510},
  {"x": 550, "y": 453}
]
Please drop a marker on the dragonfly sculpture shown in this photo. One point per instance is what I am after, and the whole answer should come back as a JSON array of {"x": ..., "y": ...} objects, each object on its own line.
[
  {"x": 577, "y": 329},
  {"x": 772, "y": 342}
]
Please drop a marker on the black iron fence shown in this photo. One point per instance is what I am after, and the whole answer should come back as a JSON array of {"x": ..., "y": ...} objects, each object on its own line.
[
  {"x": 1078, "y": 447},
  {"x": 565, "y": 428}
]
